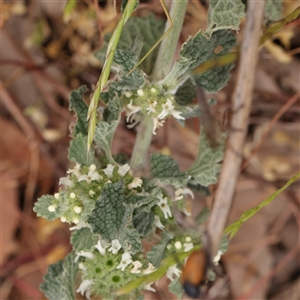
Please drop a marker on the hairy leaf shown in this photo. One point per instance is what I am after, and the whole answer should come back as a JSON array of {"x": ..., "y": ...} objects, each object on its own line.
[
  {"x": 164, "y": 168},
  {"x": 206, "y": 167},
  {"x": 59, "y": 282},
  {"x": 41, "y": 208},
  {"x": 157, "y": 253},
  {"x": 83, "y": 239},
  {"x": 80, "y": 108},
  {"x": 150, "y": 28},
  {"x": 78, "y": 151},
  {"x": 224, "y": 14}
]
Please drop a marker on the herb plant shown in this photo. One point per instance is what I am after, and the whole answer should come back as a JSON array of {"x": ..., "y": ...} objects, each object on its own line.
[{"x": 113, "y": 211}]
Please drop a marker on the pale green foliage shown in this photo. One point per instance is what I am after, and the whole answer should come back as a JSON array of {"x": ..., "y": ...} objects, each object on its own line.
[
  {"x": 60, "y": 279},
  {"x": 273, "y": 10},
  {"x": 149, "y": 28},
  {"x": 78, "y": 151},
  {"x": 83, "y": 239},
  {"x": 207, "y": 165},
  {"x": 158, "y": 252},
  {"x": 41, "y": 208},
  {"x": 165, "y": 169},
  {"x": 224, "y": 14},
  {"x": 113, "y": 211}
]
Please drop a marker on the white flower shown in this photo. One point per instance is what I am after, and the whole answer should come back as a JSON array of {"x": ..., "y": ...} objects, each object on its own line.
[
  {"x": 180, "y": 192},
  {"x": 115, "y": 246},
  {"x": 188, "y": 239},
  {"x": 52, "y": 208},
  {"x": 85, "y": 254},
  {"x": 126, "y": 260},
  {"x": 188, "y": 246},
  {"x": 77, "y": 209},
  {"x": 92, "y": 175},
  {"x": 85, "y": 288},
  {"x": 128, "y": 94},
  {"x": 151, "y": 107},
  {"x": 75, "y": 171},
  {"x": 63, "y": 219},
  {"x": 109, "y": 170},
  {"x": 164, "y": 206},
  {"x": 101, "y": 246},
  {"x": 136, "y": 267},
  {"x": 149, "y": 270},
  {"x": 92, "y": 168},
  {"x": 56, "y": 196},
  {"x": 158, "y": 223},
  {"x": 140, "y": 92},
  {"x": 72, "y": 195},
  {"x": 80, "y": 225},
  {"x": 168, "y": 109},
  {"x": 123, "y": 170},
  {"x": 156, "y": 124},
  {"x": 176, "y": 114},
  {"x": 75, "y": 220},
  {"x": 81, "y": 266},
  {"x": 169, "y": 247},
  {"x": 149, "y": 288},
  {"x": 217, "y": 257},
  {"x": 66, "y": 181},
  {"x": 135, "y": 183},
  {"x": 131, "y": 109},
  {"x": 178, "y": 245},
  {"x": 173, "y": 271},
  {"x": 153, "y": 90},
  {"x": 91, "y": 193}
]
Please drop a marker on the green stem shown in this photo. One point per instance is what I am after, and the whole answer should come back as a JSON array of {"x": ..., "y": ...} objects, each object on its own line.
[
  {"x": 168, "y": 46},
  {"x": 162, "y": 67}
]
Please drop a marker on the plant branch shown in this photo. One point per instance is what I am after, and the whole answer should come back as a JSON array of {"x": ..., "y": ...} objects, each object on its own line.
[
  {"x": 162, "y": 67},
  {"x": 168, "y": 46},
  {"x": 241, "y": 106}
]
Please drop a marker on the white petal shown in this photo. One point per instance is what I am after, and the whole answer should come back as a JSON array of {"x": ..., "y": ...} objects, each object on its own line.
[{"x": 123, "y": 170}]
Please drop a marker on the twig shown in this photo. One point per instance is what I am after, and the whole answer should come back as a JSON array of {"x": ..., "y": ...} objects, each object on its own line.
[
  {"x": 283, "y": 109},
  {"x": 241, "y": 105}
]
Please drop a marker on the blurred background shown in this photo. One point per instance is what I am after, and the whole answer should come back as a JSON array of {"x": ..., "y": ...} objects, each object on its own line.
[{"x": 45, "y": 54}]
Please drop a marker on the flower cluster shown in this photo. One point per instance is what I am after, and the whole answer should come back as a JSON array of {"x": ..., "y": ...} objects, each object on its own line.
[
  {"x": 153, "y": 101},
  {"x": 110, "y": 264},
  {"x": 82, "y": 187}
]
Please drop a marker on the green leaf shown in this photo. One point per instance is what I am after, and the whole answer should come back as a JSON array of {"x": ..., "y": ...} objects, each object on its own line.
[
  {"x": 273, "y": 10},
  {"x": 51, "y": 285},
  {"x": 186, "y": 93},
  {"x": 224, "y": 14},
  {"x": 113, "y": 109},
  {"x": 41, "y": 207},
  {"x": 215, "y": 79},
  {"x": 88, "y": 206},
  {"x": 157, "y": 253},
  {"x": 104, "y": 134},
  {"x": 164, "y": 168},
  {"x": 59, "y": 282},
  {"x": 207, "y": 165},
  {"x": 83, "y": 239},
  {"x": 78, "y": 151},
  {"x": 175, "y": 287},
  {"x": 128, "y": 235},
  {"x": 106, "y": 218},
  {"x": 203, "y": 190},
  {"x": 150, "y": 28},
  {"x": 80, "y": 108},
  {"x": 233, "y": 228}
]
